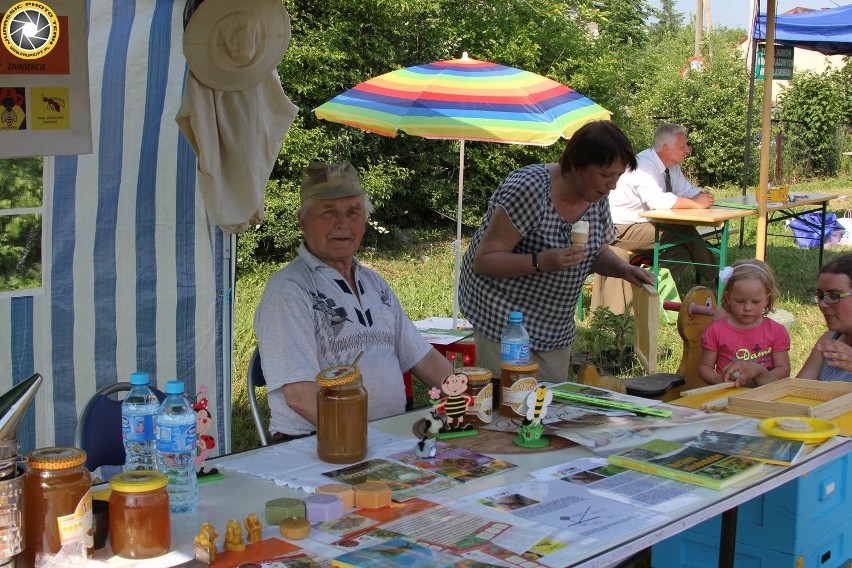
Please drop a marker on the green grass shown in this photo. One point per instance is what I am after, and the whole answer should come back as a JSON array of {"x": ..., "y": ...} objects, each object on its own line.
[{"x": 421, "y": 274}]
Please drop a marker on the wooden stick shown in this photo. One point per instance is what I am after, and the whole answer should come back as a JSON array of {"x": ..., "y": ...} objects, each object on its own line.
[{"x": 709, "y": 388}]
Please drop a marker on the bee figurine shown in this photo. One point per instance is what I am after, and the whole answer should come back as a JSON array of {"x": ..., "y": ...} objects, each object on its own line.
[{"x": 531, "y": 430}]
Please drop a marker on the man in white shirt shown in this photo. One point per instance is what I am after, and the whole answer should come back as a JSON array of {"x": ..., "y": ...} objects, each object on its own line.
[{"x": 659, "y": 183}]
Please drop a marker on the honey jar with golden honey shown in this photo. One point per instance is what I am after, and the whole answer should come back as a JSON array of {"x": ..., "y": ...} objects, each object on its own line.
[{"x": 341, "y": 415}]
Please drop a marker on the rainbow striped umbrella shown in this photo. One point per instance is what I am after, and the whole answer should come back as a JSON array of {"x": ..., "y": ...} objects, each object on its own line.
[{"x": 464, "y": 99}]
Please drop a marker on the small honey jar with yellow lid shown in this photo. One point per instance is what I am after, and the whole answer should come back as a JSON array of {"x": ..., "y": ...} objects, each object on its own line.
[
  {"x": 480, "y": 388},
  {"x": 139, "y": 514}
]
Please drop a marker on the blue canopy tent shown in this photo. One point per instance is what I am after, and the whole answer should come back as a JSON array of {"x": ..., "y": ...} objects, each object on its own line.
[{"x": 827, "y": 31}]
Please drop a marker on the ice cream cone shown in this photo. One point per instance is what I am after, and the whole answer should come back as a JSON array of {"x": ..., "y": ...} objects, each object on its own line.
[{"x": 580, "y": 233}]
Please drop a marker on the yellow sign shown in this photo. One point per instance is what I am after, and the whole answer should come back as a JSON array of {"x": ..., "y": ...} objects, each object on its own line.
[
  {"x": 49, "y": 109},
  {"x": 29, "y": 29}
]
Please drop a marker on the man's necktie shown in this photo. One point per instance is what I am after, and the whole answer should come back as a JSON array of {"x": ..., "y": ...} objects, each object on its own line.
[{"x": 668, "y": 181}]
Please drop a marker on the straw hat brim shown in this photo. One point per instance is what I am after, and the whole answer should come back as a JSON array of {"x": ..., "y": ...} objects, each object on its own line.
[{"x": 232, "y": 45}]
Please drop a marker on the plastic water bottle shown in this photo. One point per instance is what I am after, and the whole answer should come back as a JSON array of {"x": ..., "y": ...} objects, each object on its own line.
[
  {"x": 138, "y": 413},
  {"x": 176, "y": 441},
  {"x": 515, "y": 342}
]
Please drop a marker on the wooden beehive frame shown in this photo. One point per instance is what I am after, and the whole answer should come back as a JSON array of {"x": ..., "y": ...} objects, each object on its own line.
[{"x": 835, "y": 399}]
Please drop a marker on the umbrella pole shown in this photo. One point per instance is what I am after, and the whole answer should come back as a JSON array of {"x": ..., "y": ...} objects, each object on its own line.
[{"x": 457, "y": 244}]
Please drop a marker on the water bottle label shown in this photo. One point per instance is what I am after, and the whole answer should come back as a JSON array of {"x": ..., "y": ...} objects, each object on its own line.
[
  {"x": 137, "y": 428},
  {"x": 176, "y": 439},
  {"x": 515, "y": 351}
]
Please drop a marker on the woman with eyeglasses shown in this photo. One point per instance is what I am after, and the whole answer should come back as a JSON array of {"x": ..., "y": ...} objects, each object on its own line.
[{"x": 831, "y": 357}]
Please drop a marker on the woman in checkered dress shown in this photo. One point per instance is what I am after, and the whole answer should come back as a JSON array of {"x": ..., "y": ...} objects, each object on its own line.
[{"x": 522, "y": 258}]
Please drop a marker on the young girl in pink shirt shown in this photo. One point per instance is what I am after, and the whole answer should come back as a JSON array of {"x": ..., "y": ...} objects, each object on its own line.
[{"x": 745, "y": 337}]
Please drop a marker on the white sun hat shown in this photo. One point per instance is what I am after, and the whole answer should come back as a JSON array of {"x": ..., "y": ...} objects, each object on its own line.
[{"x": 232, "y": 45}]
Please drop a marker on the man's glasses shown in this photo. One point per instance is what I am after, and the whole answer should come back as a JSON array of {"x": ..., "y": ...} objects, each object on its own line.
[{"x": 830, "y": 298}]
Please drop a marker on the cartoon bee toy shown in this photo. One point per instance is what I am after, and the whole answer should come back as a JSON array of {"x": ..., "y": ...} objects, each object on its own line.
[{"x": 531, "y": 430}]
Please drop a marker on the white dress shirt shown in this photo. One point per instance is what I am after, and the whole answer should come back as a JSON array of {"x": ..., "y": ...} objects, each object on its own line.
[{"x": 643, "y": 189}]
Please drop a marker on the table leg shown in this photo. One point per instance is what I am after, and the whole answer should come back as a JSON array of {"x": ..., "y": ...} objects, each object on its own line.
[
  {"x": 728, "y": 538},
  {"x": 723, "y": 261},
  {"x": 656, "y": 255},
  {"x": 822, "y": 235}
]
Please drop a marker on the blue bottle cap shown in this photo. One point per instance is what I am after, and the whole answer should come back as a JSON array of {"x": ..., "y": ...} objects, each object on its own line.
[
  {"x": 174, "y": 387},
  {"x": 139, "y": 378},
  {"x": 516, "y": 317}
]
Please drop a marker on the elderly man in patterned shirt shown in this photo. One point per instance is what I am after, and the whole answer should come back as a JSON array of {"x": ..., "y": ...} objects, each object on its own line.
[{"x": 324, "y": 308}]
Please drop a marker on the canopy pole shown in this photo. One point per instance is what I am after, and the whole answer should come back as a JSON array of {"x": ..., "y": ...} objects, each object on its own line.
[
  {"x": 458, "y": 243},
  {"x": 766, "y": 131},
  {"x": 752, "y": 67}
]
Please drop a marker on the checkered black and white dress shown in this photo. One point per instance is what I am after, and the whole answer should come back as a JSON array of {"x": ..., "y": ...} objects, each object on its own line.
[{"x": 547, "y": 300}]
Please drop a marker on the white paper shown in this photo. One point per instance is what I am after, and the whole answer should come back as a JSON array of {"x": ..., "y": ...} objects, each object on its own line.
[{"x": 295, "y": 464}]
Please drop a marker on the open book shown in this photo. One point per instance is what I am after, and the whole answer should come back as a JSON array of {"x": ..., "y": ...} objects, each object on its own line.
[{"x": 682, "y": 462}]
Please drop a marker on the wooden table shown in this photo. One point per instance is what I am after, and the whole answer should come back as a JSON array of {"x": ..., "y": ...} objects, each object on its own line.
[{"x": 718, "y": 217}]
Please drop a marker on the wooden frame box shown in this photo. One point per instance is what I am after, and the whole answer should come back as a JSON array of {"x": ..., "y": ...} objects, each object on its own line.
[{"x": 794, "y": 397}]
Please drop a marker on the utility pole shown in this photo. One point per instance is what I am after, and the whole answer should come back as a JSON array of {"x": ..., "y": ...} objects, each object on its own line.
[
  {"x": 699, "y": 25},
  {"x": 708, "y": 16}
]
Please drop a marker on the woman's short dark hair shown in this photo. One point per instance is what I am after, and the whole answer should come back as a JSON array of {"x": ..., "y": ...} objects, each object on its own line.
[
  {"x": 840, "y": 265},
  {"x": 597, "y": 143}
]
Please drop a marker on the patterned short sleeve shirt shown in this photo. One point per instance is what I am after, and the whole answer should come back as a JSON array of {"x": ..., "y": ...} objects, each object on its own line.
[{"x": 547, "y": 300}]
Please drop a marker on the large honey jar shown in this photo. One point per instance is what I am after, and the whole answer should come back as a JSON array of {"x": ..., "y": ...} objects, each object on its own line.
[
  {"x": 517, "y": 380},
  {"x": 139, "y": 524},
  {"x": 341, "y": 415},
  {"x": 480, "y": 388},
  {"x": 57, "y": 503}
]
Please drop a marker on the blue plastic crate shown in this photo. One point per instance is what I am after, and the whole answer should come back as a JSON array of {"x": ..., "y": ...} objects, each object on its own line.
[
  {"x": 691, "y": 549},
  {"x": 791, "y": 517}
]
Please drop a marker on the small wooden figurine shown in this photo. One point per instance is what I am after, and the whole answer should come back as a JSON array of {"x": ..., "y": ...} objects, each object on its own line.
[
  {"x": 234, "y": 536},
  {"x": 529, "y": 434},
  {"x": 254, "y": 530},
  {"x": 204, "y": 427},
  {"x": 205, "y": 544},
  {"x": 425, "y": 430}
]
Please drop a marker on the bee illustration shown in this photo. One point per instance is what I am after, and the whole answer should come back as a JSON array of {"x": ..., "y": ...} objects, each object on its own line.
[
  {"x": 537, "y": 402},
  {"x": 8, "y": 117},
  {"x": 53, "y": 103}
]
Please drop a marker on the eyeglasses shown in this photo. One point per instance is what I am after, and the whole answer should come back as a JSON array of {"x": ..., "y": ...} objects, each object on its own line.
[{"x": 830, "y": 298}]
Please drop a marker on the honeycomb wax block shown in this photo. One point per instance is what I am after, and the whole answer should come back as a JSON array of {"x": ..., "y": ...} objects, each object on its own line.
[
  {"x": 344, "y": 492},
  {"x": 372, "y": 495},
  {"x": 321, "y": 508},
  {"x": 295, "y": 528},
  {"x": 279, "y": 509}
]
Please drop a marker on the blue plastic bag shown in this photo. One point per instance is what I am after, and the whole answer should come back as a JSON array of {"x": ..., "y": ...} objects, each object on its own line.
[{"x": 806, "y": 227}]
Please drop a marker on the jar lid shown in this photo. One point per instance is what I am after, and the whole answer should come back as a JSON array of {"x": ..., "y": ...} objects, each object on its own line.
[
  {"x": 517, "y": 365},
  {"x": 56, "y": 458},
  {"x": 138, "y": 481},
  {"x": 477, "y": 374},
  {"x": 338, "y": 375}
]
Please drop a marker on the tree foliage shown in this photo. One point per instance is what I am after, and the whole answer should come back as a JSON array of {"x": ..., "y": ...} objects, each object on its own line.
[
  {"x": 20, "y": 235},
  {"x": 816, "y": 119}
]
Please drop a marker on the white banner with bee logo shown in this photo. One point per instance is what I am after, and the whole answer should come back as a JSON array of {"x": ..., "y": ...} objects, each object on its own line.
[{"x": 44, "y": 79}]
